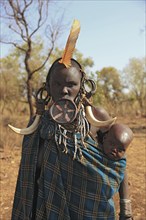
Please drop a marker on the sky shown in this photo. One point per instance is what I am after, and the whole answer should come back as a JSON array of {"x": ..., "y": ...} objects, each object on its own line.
[{"x": 112, "y": 32}]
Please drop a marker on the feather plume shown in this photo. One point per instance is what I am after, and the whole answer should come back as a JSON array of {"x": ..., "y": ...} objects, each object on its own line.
[{"x": 70, "y": 45}]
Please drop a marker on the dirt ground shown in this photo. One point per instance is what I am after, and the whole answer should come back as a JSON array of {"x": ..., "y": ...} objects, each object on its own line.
[{"x": 136, "y": 166}]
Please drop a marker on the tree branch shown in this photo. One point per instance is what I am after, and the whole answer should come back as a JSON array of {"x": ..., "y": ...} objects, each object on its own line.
[
  {"x": 40, "y": 22},
  {"x": 14, "y": 44},
  {"x": 43, "y": 64},
  {"x": 27, "y": 4},
  {"x": 54, "y": 32}
]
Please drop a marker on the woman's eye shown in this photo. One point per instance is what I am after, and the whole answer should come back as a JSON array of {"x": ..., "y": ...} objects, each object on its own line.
[{"x": 71, "y": 84}]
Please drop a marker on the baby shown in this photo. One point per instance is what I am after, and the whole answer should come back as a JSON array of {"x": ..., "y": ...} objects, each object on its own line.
[
  {"x": 116, "y": 141},
  {"x": 113, "y": 140}
]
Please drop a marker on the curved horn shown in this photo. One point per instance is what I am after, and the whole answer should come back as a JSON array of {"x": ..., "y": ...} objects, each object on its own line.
[
  {"x": 94, "y": 121},
  {"x": 28, "y": 130}
]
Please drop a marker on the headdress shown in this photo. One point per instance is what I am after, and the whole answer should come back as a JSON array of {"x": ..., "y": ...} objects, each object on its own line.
[{"x": 70, "y": 45}]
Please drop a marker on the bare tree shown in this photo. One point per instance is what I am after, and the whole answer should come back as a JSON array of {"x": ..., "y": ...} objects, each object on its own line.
[{"x": 24, "y": 20}]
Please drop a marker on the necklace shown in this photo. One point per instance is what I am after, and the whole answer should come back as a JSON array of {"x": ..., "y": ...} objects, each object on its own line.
[{"x": 71, "y": 136}]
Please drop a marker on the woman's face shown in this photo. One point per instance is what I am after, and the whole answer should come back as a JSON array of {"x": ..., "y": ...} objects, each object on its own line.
[{"x": 64, "y": 83}]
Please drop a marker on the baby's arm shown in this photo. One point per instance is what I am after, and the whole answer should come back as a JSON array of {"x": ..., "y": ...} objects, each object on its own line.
[{"x": 125, "y": 202}]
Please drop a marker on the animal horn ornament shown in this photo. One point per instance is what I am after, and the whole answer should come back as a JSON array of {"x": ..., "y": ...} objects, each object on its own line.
[
  {"x": 40, "y": 103},
  {"x": 93, "y": 121},
  {"x": 28, "y": 130},
  {"x": 63, "y": 112}
]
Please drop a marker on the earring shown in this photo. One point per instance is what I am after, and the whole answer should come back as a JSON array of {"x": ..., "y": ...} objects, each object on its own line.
[
  {"x": 42, "y": 99},
  {"x": 92, "y": 85}
]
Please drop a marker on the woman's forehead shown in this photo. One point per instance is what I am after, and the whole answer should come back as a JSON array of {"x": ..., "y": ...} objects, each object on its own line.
[{"x": 61, "y": 71}]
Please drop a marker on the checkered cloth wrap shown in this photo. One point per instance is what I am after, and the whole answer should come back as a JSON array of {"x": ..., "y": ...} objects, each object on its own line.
[{"x": 80, "y": 189}]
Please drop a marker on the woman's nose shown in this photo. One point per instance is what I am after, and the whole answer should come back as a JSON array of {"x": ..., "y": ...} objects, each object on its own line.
[
  {"x": 114, "y": 150},
  {"x": 64, "y": 90}
]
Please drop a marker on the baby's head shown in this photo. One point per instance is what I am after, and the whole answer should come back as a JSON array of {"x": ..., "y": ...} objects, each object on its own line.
[{"x": 117, "y": 141}]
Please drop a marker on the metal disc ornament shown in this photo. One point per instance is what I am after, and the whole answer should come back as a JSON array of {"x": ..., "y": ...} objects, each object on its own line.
[{"x": 63, "y": 111}]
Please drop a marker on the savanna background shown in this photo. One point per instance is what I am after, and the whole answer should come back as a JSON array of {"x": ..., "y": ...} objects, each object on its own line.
[{"x": 121, "y": 92}]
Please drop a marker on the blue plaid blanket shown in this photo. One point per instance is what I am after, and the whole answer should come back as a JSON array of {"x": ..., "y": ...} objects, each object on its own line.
[{"x": 79, "y": 189}]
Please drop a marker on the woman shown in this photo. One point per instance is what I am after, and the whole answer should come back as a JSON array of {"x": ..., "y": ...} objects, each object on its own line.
[{"x": 63, "y": 175}]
